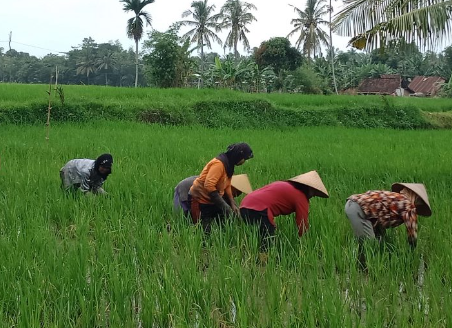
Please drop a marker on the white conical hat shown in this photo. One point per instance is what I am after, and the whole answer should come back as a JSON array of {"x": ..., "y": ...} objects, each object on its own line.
[
  {"x": 419, "y": 189},
  {"x": 241, "y": 183},
  {"x": 312, "y": 179}
]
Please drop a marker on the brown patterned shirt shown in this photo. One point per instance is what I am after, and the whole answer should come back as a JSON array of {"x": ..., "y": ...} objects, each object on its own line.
[{"x": 387, "y": 209}]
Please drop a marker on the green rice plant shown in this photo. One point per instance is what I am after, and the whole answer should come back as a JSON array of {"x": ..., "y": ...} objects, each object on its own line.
[{"x": 127, "y": 260}]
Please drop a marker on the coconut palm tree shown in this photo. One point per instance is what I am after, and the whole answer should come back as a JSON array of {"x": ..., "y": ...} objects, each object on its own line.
[
  {"x": 330, "y": 25},
  {"x": 236, "y": 16},
  {"x": 308, "y": 26},
  {"x": 86, "y": 67},
  {"x": 374, "y": 23},
  {"x": 135, "y": 24},
  {"x": 204, "y": 25},
  {"x": 106, "y": 62}
]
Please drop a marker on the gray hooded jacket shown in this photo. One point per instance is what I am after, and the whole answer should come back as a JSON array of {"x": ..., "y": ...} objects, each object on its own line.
[{"x": 79, "y": 173}]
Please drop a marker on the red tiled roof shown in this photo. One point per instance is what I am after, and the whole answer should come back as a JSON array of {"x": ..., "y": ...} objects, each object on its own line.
[
  {"x": 426, "y": 84},
  {"x": 385, "y": 85}
]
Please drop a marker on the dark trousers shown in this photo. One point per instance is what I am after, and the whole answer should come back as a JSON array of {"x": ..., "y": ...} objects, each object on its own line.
[
  {"x": 210, "y": 213},
  {"x": 266, "y": 229}
]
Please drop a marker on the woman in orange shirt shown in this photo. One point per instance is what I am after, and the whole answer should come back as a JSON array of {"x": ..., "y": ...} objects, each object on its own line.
[{"x": 206, "y": 193}]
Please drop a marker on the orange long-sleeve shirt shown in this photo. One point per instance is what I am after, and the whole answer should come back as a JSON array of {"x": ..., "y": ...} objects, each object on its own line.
[{"x": 213, "y": 177}]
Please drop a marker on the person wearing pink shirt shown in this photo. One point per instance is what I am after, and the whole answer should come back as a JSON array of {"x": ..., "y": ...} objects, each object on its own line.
[{"x": 263, "y": 205}]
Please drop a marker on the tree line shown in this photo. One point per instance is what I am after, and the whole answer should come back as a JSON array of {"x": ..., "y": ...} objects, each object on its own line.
[
  {"x": 169, "y": 61},
  {"x": 177, "y": 57}
]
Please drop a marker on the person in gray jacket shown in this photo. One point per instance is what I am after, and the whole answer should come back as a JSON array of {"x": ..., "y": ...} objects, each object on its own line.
[{"x": 88, "y": 175}]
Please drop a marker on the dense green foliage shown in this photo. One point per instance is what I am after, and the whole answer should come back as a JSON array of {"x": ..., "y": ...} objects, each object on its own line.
[
  {"x": 168, "y": 64},
  {"x": 271, "y": 67},
  {"x": 277, "y": 53},
  {"x": 125, "y": 260}
]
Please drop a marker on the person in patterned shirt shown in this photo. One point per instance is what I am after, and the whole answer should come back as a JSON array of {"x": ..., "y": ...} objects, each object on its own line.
[{"x": 374, "y": 211}]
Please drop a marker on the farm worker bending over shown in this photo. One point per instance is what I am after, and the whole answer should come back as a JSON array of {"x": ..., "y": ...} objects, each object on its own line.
[
  {"x": 86, "y": 174},
  {"x": 207, "y": 203},
  {"x": 239, "y": 184},
  {"x": 373, "y": 212},
  {"x": 282, "y": 198}
]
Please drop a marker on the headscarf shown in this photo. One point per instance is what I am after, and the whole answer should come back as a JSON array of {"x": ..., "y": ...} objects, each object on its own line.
[
  {"x": 233, "y": 155},
  {"x": 105, "y": 160}
]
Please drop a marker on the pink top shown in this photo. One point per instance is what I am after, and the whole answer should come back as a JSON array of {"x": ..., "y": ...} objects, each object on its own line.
[{"x": 280, "y": 198}]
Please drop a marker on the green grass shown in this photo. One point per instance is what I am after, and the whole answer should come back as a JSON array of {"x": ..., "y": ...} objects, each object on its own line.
[
  {"x": 27, "y": 104},
  {"x": 126, "y": 260},
  {"x": 178, "y": 99}
]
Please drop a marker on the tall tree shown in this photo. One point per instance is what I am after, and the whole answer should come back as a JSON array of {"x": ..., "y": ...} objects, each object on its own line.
[
  {"x": 135, "y": 24},
  {"x": 106, "y": 62},
  {"x": 86, "y": 63},
  {"x": 330, "y": 25},
  {"x": 236, "y": 16},
  {"x": 205, "y": 24},
  {"x": 308, "y": 25},
  {"x": 168, "y": 63},
  {"x": 86, "y": 67},
  {"x": 374, "y": 23},
  {"x": 279, "y": 54}
]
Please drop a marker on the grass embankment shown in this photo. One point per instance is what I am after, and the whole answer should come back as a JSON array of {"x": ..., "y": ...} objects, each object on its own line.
[
  {"x": 113, "y": 262},
  {"x": 220, "y": 108}
]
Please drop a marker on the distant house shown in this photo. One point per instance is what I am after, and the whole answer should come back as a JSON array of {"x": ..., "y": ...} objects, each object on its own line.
[
  {"x": 384, "y": 85},
  {"x": 425, "y": 86}
]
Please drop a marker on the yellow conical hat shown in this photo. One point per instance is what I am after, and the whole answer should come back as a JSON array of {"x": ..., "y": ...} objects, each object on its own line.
[
  {"x": 312, "y": 179},
  {"x": 418, "y": 189},
  {"x": 241, "y": 183}
]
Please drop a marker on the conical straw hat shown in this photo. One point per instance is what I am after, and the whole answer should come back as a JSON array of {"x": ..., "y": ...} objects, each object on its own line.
[
  {"x": 241, "y": 183},
  {"x": 312, "y": 179},
  {"x": 419, "y": 189}
]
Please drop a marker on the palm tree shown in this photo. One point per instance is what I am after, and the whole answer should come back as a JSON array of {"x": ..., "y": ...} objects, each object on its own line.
[
  {"x": 374, "y": 23},
  {"x": 331, "y": 46},
  {"x": 308, "y": 25},
  {"x": 106, "y": 62},
  {"x": 203, "y": 23},
  {"x": 86, "y": 67},
  {"x": 236, "y": 16},
  {"x": 135, "y": 24}
]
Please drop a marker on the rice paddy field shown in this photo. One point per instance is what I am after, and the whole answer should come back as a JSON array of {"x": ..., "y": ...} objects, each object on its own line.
[
  {"x": 129, "y": 99},
  {"x": 126, "y": 260}
]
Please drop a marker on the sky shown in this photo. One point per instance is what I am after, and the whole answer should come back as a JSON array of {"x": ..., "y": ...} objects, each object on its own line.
[{"x": 54, "y": 26}]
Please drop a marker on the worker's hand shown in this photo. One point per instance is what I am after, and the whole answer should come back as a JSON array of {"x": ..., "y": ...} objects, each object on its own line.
[
  {"x": 236, "y": 210},
  {"x": 101, "y": 191},
  {"x": 220, "y": 203}
]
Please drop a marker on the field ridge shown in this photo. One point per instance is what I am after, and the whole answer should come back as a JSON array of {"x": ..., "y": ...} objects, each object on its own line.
[{"x": 27, "y": 104}]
